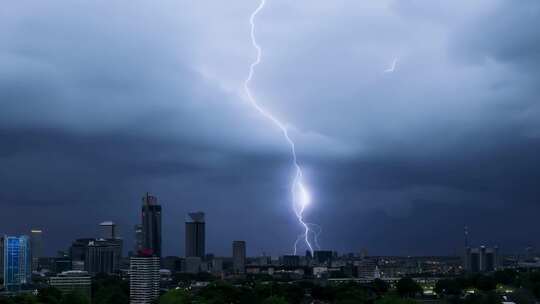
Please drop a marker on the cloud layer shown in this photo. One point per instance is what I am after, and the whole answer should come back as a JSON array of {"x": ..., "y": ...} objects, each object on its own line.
[{"x": 101, "y": 102}]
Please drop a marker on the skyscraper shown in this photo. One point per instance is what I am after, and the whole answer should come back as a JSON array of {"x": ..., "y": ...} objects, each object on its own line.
[
  {"x": 103, "y": 256},
  {"x": 2, "y": 257},
  {"x": 96, "y": 256},
  {"x": 17, "y": 262},
  {"x": 139, "y": 239},
  {"x": 151, "y": 224},
  {"x": 239, "y": 256},
  {"x": 195, "y": 235},
  {"x": 36, "y": 246},
  {"x": 144, "y": 279},
  {"x": 108, "y": 230}
]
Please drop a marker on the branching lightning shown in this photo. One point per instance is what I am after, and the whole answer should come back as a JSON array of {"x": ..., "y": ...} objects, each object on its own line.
[{"x": 300, "y": 194}]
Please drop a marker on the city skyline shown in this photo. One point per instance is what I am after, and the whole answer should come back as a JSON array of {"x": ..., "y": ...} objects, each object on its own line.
[{"x": 411, "y": 120}]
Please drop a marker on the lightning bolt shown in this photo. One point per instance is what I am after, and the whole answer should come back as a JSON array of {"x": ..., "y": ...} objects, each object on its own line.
[
  {"x": 392, "y": 68},
  {"x": 299, "y": 191}
]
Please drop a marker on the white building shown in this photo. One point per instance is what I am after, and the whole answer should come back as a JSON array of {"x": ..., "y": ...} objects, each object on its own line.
[{"x": 144, "y": 279}]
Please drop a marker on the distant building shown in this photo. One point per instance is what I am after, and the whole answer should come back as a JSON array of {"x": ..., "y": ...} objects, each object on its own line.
[
  {"x": 61, "y": 264},
  {"x": 78, "y": 252},
  {"x": 108, "y": 230},
  {"x": 103, "y": 256},
  {"x": 96, "y": 255},
  {"x": 2, "y": 257},
  {"x": 192, "y": 264},
  {"x": 291, "y": 260},
  {"x": 216, "y": 265},
  {"x": 323, "y": 256},
  {"x": 139, "y": 239},
  {"x": 36, "y": 247},
  {"x": 482, "y": 259},
  {"x": 144, "y": 279},
  {"x": 195, "y": 235},
  {"x": 17, "y": 262},
  {"x": 77, "y": 265},
  {"x": 239, "y": 256},
  {"x": 73, "y": 281},
  {"x": 151, "y": 224},
  {"x": 366, "y": 268},
  {"x": 172, "y": 263},
  {"x": 263, "y": 260}
]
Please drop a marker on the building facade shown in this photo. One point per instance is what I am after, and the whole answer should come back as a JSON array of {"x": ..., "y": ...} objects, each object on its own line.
[
  {"x": 2, "y": 257},
  {"x": 103, "y": 256},
  {"x": 151, "y": 224},
  {"x": 108, "y": 230},
  {"x": 73, "y": 281},
  {"x": 17, "y": 262},
  {"x": 481, "y": 259},
  {"x": 239, "y": 256},
  {"x": 195, "y": 235},
  {"x": 139, "y": 239},
  {"x": 144, "y": 279},
  {"x": 96, "y": 255},
  {"x": 36, "y": 246}
]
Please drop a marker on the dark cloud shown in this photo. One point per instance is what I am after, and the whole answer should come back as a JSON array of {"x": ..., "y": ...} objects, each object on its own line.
[{"x": 102, "y": 102}]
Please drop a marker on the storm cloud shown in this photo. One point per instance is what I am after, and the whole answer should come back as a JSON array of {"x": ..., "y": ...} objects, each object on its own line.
[{"x": 103, "y": 101}]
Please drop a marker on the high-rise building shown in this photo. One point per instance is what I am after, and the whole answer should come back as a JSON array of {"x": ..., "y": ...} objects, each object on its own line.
[
  {"x": 17, "y": 262},
  {"x": 482, "y": 259},
  {"x": 96, "y": 255},
  {"x": 36, "y": 246},
  {"x": 73, "y": 281},
  {"x": 195, "y": 235},
  {"x": 151, "y": 224},
  {"x": 2, "y": 257},
  {"x": 78, "y": 252},
  {"x": 139, "y": 239},
  {"x": 239, "y": 256},
  {"x": 108, "y": 230},
  {"x": 103, "y": 256},
  {"x": 144, "y": 279}
]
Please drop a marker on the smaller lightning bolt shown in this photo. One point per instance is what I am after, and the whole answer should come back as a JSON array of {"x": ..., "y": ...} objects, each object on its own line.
[{"x": 392, "y": 68}]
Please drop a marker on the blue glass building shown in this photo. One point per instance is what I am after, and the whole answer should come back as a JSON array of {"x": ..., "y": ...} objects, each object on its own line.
[{"x": 17, "y": 262}]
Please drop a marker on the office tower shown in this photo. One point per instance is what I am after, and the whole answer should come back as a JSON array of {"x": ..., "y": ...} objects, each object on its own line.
[
  {"x": 108, "y": 230},
  {"x": 78, "y": 251},
  {"x": 36, "y": 246},
  {"x": 151, "y": 224},
  {"x": 96, "y": 256},
  {"x": 17, "y": 262},
  {"x": 103, "y": 256},
  {"x": 239, "y": 256},
  {"x": 144, "y": 279},
  {"x": 195, "y": 235},
  {"x": 139, "y": 239},
  {"x": 482, "y": 259},
  {"x": 2, "y": 257},
  {"x": 73, "y": 281}
]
